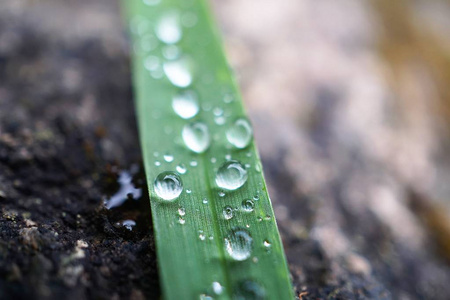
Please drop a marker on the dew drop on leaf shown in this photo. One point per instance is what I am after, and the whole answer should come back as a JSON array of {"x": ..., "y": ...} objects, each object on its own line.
[
  {"x": 179, "y": 71},
  {"x": 185, "y": 104},
  {"x": 248, "y": 205},
  {"x": 181, "y": 168},
  {"x": 240, "y": 133},
  {"x": 249, "y": 290},
  {"x": 168, "y": 29},
  {"x": 168, "y": 185},
  {"x": 228, "y": 212},
  {"x": 196, "y": 137},
  {"x": 168, "y": 158},
  {"x": 239, "y": 244},
  {"x": 231, "y": 175}
]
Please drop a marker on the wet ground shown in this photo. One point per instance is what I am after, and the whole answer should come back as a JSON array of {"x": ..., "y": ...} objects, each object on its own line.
[{"x": 350, "y": 113}]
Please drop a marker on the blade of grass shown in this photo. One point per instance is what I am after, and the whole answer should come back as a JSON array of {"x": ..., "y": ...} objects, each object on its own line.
[{"x": 192, "y": 230}]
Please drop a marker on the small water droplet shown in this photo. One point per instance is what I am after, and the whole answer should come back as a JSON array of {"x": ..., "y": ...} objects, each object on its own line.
[
  {"x": 248, "y": 166},
  {"x": 181, "y": 221},
  {"x": 152, "y": 2},
  {"x": 267, "y": 217},
  {"x": 228, "y": 98},
  {"x": 205, "y": 297},
  {"x": 213, "y": 160},
  {"x": 221, "y": 194},
  {"x": 255, "y": 259},
  {"x": 217, "y": 111},
  {"x": 249, "y": 290},
  {"x": 152, "y": 63},
  {"x": 168, "y": 29},
  {"x": 185, "y": 104},
  {"x": 168, "y": 185},
  {"x": 171, "y": 52},
  {"x": 259, "y": 219},
  {"x": 188, "y": 191},
  {"x": 231, "y": 175},
  {"x": 248, "y": 154},
  {"x": 181, "y": 168},
  {"x": 248, "y": 205},
  {"x": 189, "y": 19},
  {"x": 227, "y": 212},
  {"x": 240, "y": 133},
  {"x": 217, "y": 288},
  {"x": 196, "y": 137},
  {"x": 256, "y": 197},
  {"x": 239, "y": 244},
  {"x": 267, "y": 244},
  {"x": 205, "y": 201},
  {"x": 157, "y": 163},
  {"x": 220, "y": 120},
  {"x": 168, "y": 158},
  {"x": 193, "y": 163},
  {"x": 179, "y": 71},
  {"x": 181, "y": 211},
  {"x": 128, "y": 224},
  {"x": 228, "y": 157},
  {"x": 211, "y": 238},
  {"x": 201, "y": 236}
]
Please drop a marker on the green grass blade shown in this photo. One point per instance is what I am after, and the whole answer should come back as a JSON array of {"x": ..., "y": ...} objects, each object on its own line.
[{"x": 191, "y": 230}]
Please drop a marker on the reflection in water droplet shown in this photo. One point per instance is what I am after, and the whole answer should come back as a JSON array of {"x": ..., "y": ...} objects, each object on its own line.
[
  {"x": 231, "y": 175},
  {"x": 168, "y": 185},
  {"x": 179, "y": 71},
  {"x": 168, "y": 29},
  {"x": 239, "y": 244},
  {"x": 248, "y": 205},
  {"x": 227, "y": 212},
  {"x": 196, "y": 137},
  {"x": 249, "y": 290},
  {"x": 168, "y": 158},
  {"x": 181, "y": 168},
  {"x": 240, "y": 133},
  {"x": 185, "y": 104},
  {"x": 217, "y": 288}
]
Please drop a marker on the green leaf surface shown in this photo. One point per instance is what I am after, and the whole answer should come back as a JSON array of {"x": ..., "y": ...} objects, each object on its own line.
[{"x": 201, "y": 250}]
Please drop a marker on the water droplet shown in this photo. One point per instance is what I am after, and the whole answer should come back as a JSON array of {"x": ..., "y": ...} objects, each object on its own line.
[
  {"x": 258, "y": 167},
  {"x": 189, "y": 19},
  {"x": 255, "y": 259},
  {"x": 155, "y": 154},
  {"x": 188, "y": 191},
  {"x": 259, "y": 219},
  {"x": 152, "y": 2},
  {"x": 231, "y": 175},
  {"x": 181, "y": 220},
  {"x": 267, "y": 217},
  {"x": 181, "y": 168},
  {"x": 217, "y": 288},
  {"x": 227, "y": 212},
  {"x": 240, "y": 133},
  {"x": 168, "y": 29},
  {"x": 128, "y": 224},
  {"x": 248, "y": 154},
  {"x": 228, "y": 98},
  {"x": 239, "y": 244},
  {"x": 152, "y": 63},
  {"x": 205, "y": 201},
  {"x": 205, "y": 297},
  {"x": 181, "y": 211},
  {"x": 179, "y": 71},
  {"x": 248, "y": 166},
  {"x": 201, "y": 236},
  {"x": 168, "y": 158},
  {"x": 196, "y": 137},
  {"x": 168, "y": 185},
  {"x": 185, "y": 104},
  {"x": 248, "y": 205},
  {"x": 221, "y": 194},
  {"x": 193, "y": 163},
  {"x": 249, "y": 290},
  {"x": 267, "y": 244},
  {"x": 217, "y": 111},
  {"x": 256, "y": 197},
  {"x": 228, "y": 157},
  {"x": 213, "y": 160},
  {"x": 157, "y": 163},
  {"x": 171, "y": 52},
  {"x": 220, "y": 120}
]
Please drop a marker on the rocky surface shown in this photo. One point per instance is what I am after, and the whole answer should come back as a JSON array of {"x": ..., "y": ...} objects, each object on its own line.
[{"x": 350, "y": 105}]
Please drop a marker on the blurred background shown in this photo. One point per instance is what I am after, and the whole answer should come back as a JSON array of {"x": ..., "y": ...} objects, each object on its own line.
[{"x": 350, "y": 102}]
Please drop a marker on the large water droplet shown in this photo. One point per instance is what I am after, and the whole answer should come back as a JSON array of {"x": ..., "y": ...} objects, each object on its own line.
[
  {"x": 168, "y": 185},
  {"x": 168, "y": 29},
  {"x": 248, "y": 205},
  {"x": 239, "y": 244},
  {"x": 196, "y": 137},
  {"x": 231, "y": 175},
  {"x": 249, "y": 290},
  {"x": 240, "y": 133},
  {"x": 185, "y": 104},
  {"x": 179, "y": 71},
  {"x": 227, "y": 212}
]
